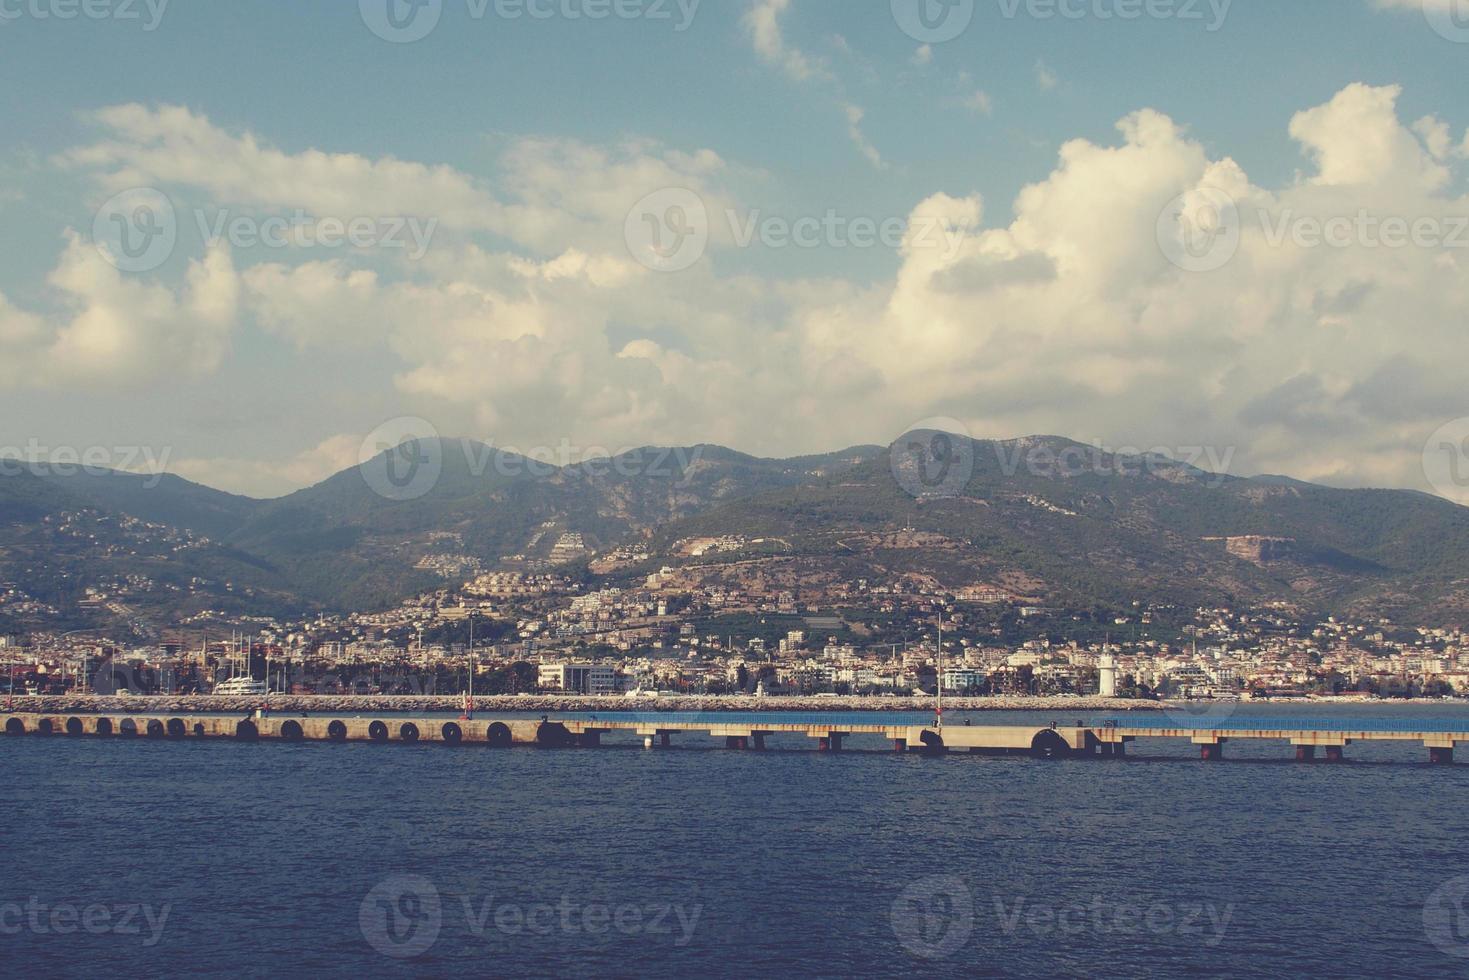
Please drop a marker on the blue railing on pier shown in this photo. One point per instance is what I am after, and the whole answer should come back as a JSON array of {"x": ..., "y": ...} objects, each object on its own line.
[
  {"x": 1246, "y": 723},
  {"x": 756, "y": 719}
]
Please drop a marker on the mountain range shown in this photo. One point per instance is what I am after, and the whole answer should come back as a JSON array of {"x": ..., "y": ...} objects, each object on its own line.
[{"x": 1040, "y": 520}]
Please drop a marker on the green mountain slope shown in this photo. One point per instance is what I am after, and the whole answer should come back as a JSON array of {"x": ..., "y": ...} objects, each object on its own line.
[{"x": 1043, "y": 519}]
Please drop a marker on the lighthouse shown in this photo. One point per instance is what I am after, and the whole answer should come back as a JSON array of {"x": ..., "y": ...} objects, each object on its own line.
[{"x": 1107, "y": 668}]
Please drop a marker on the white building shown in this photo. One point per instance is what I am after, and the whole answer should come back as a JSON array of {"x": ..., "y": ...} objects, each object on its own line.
[{"x": 577, "y": 678}]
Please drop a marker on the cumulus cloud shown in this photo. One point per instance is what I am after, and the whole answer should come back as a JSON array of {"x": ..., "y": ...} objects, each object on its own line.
[
  {"x": 119, "y": 330},
  {"x": 1065, "y": 316},
  {"x": 1071, "y": 320},
  {"x": 550, "y": 194},
  {"x": 1356, "y": 141},
  {"x": 172, "y": 145}
]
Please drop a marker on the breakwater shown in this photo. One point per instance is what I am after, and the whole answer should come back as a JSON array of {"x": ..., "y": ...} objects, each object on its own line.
[{"x": 904, "y": 730}]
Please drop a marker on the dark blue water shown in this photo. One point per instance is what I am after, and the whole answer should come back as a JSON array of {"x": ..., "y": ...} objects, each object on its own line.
[{"x": 217, "y": 857}]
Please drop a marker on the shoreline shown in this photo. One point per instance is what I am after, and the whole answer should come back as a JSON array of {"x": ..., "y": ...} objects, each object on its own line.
[{"x": 545, "y": 703}]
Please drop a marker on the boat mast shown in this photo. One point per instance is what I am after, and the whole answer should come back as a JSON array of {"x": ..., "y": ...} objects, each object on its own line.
[{"x": 939, "y": 687}]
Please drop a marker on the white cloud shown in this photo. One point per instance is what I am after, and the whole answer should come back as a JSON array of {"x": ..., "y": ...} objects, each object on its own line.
[
  {"x": 762, "y": 21},
  {"x": 118, "y": 330},
  {"x": 551, "y": 193},
  {"x": 171, "y": 145},
  {"x": 1045, "y": 77},
  {"x": 979, "y": 101},
  {"x": 855, "y": 115},
  {"x": 1066, "y": 317},
  {"x": 1356, "y": 141}
]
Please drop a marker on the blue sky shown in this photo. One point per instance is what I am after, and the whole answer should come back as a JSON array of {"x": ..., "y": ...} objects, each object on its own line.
[{"x": 837, "y": 111}]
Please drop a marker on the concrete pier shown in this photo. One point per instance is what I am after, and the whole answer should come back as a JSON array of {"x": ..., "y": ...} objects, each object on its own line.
[{"x": 830, "y": 731}]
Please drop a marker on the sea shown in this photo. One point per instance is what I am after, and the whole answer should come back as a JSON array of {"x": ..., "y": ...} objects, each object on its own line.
[{"x": 158, "y": 858}]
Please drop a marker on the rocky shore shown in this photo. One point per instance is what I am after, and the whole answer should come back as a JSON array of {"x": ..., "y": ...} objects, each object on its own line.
[{"x": 549, "y": 703}]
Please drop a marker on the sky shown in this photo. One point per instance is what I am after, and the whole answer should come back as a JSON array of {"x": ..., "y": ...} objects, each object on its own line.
[{"x": 254, "y": 242}]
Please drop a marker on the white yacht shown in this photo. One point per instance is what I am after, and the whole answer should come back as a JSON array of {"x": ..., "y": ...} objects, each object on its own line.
[{"x": 239, "y": 686}]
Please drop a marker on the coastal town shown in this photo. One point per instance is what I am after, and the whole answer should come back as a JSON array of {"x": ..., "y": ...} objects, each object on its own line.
[{"x": 679, "y": 633}]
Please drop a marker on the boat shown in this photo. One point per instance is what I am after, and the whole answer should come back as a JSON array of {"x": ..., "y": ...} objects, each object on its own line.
[{"x": 238, "y": 687}]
